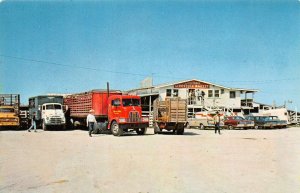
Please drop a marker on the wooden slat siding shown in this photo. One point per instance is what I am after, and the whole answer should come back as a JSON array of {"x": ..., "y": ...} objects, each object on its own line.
[{"x": 171, "y": 110}]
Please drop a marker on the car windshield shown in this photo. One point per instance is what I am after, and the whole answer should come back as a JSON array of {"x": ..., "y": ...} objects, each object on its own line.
[
  {"x": 266, "y": 118},
  {"x": 131, "y": 102},
  {"x": 48, "y": 107},
  {"x": 6, "y": 110}
]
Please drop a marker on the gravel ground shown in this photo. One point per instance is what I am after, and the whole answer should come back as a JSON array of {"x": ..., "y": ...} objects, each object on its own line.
[{"x": 260, "y": 161}]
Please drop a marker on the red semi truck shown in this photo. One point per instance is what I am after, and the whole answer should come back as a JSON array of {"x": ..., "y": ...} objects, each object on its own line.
[{"x": 121, "y": 112}]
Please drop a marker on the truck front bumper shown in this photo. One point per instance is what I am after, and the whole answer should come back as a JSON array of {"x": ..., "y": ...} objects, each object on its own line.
[
  {"x": 133, "y": 125},
  {"x": 14, "y": 124}
]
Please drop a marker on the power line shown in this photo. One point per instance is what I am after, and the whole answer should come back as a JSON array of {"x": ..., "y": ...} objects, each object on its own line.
[
  {"x": 73, "y": 66},
  {"x": 145, "y": 75}
]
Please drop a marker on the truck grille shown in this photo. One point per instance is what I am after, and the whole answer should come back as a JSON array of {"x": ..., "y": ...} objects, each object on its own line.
[
  {"x": 55, "y": 120},
  {"x": 134, "y": 116}
]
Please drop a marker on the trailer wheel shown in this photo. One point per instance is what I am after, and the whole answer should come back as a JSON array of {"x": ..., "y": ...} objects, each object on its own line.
[
  {"x": 116, "y": 130},
  {"x": 180, "y": 130},
  {"x": 141, "y": 131},
  {"x": 44, "y": 126}
]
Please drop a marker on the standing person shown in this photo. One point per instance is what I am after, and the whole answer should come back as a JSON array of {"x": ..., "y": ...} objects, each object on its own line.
[
  {"x": 33, "y": 124},
  {"x": 217, "y": 123},
  {"x": 90, "y": 121}
]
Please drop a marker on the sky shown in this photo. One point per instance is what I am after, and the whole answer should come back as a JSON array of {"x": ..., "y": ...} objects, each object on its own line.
[{"x": 76, "y": 46}]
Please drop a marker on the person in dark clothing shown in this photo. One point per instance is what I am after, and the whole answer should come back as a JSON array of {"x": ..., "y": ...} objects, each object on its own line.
[{"x": 217, "y": 123}]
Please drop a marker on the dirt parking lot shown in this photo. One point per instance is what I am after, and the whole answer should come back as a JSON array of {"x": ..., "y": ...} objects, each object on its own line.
[{"x": 266, "y": 161}]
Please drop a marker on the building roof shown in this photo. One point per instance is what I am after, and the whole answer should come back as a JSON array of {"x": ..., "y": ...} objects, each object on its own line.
[{"x": 183, "y": 81}]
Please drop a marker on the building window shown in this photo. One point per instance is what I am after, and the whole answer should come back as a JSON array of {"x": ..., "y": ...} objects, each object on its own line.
[
  {"x": 232, "y": 94},
  {"x": 222, "y": 91},
  {"x": 169, "y": 92},
  {"x": 175, "y": 92},
  {"x": 210, "y": 93},
  {"x": 217, "y": 93}
]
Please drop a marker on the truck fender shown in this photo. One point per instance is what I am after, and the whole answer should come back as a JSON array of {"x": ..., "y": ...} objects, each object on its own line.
[{"x": 110, "y": 122}]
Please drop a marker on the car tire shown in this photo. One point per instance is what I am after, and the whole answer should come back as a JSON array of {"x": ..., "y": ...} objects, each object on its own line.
[
  {"x": 188, "y": 126},
  {"x": 230, "y": 127},
  {"x": 256, "y": 127},
  {"x": 201, "y": 126},
  {"x": 156, "y": 129}
]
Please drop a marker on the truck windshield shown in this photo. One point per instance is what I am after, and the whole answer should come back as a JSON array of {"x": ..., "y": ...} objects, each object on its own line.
[
  {"x": 48, "y": 107},
  {"x": 130, "y": 102},
  {"x": 6, "y": 110}
]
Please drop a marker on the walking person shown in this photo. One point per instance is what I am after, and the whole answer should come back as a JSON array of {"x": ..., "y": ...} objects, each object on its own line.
[
  {"x": 90, "y": 121},
  {"x": 33, "y": 124},
  {"x": 217, "y": 123}
]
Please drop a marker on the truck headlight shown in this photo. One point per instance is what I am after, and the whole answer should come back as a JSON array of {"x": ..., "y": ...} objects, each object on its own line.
[
  {"x": 145, "y": 119},
  {"x": 122, "y": 120}
]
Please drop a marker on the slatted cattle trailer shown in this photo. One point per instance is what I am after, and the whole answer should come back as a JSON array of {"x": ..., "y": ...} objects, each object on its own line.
[{"x": 170, "y": 115}]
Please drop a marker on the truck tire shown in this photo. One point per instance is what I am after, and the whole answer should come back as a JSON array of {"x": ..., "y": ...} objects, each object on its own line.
[
  {"x": 44, "y": 126},
  {"x": 179, "y": 129},
  {"x": 115, "y": 129},
  {"x": 141, "y": 131},
  {"x": 201, "y": 126}
]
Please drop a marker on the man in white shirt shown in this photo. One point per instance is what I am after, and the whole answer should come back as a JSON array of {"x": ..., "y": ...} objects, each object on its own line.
[{"x": 90, "y": 121}]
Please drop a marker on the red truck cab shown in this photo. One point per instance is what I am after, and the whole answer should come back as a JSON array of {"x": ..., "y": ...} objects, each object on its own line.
[{"x": 125, "y": 112}]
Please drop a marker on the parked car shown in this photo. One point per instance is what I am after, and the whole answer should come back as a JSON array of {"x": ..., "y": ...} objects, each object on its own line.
[
  {"x": 262, "y": 122},
  {"x": 232, "y": 122},
  {"x": 279, "y": 123}
]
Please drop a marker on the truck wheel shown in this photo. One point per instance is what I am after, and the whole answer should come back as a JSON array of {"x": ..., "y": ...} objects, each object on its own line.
[
  {"x": 44, "y": 126},
  {"x": 115, "y": 129},
  {"x": 141, "y": 131},
  {"x": 202, "y": 126},
  {"x": 180, "y": 129}
]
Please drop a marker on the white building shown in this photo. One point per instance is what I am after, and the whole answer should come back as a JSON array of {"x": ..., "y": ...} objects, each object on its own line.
[{"x": 201, "y": 95}]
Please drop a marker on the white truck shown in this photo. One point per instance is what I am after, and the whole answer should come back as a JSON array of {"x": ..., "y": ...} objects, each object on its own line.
[
  {"x": 48, "y": 111},
  {"x": 205, "y": 119}
]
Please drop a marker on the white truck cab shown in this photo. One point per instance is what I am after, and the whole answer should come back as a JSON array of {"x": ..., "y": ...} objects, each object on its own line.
[{"x": 52, "y": 115}]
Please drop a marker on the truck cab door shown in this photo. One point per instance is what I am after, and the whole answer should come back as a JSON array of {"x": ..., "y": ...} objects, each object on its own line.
[
  {"x": 43, "y": 112},
  {"x": 115, "y": 109}
]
